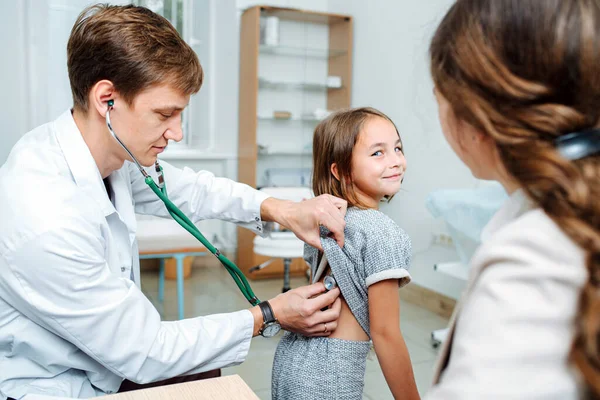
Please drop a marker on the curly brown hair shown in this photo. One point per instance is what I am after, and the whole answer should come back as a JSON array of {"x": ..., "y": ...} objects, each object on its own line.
[{"x": 525, "y": 72}]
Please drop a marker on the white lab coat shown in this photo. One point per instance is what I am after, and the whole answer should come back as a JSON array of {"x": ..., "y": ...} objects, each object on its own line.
[
  {"x": 511, "y": 333},
  {"x": 72, "y": 322}
]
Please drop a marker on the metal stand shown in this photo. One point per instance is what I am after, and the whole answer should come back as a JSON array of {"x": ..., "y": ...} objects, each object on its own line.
[
  {"x": 286, "y": 271},
  {"x": 179, "y": 256},
  {"x": 438, "y": 337},
  {"x": 261, "y": 266}
]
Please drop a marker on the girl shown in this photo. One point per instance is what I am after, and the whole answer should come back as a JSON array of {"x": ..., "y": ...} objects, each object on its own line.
[{"x": 358, "y": 157}]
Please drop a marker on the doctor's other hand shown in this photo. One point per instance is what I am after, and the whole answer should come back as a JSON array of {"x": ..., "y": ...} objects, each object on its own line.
[
  {"x": 304, "y": 218},
  {"x": 299, "y": 310}
]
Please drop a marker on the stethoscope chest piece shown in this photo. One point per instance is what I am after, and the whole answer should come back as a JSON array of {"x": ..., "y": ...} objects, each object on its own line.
[{"x": 329, "y": 283}]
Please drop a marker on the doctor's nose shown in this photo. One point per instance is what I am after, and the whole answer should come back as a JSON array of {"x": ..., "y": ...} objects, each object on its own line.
[{"x": 175, "y": 130}]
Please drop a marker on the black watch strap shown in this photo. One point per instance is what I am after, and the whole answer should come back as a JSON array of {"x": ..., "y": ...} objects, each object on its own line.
[{"x": 267, "y": 312}]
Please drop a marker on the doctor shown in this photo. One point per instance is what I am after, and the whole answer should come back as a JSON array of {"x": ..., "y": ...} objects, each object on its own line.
[
  {"x": 518, "y": 88},
  {"x": 73, "y": 321}
]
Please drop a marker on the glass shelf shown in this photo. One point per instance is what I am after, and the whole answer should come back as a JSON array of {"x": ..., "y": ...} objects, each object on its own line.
[
  {"x": 303, "y": 118},
  {"x": 267, "y": 84},
  {"x": 300, "y": 51},
  {"x": 283, "y": 151}
]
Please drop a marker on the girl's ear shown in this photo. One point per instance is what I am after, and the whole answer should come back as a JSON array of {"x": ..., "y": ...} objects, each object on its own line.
[{"x": 334, "y": 171}]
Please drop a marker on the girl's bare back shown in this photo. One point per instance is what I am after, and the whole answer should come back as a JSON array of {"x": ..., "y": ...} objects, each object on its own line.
[{"x": 348, "y": 327}]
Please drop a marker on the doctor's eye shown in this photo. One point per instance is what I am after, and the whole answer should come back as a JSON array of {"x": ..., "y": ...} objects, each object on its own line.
[{"x": 164, "y": 117}]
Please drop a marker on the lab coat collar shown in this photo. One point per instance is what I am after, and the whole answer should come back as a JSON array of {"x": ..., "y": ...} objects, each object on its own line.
[
  {"x": 119, "y": 181},
  {"x": 81, "y": 163},
  {"x": 516, "y": 205}
]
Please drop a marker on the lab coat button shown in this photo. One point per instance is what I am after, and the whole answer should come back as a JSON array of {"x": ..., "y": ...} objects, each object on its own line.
[
  {"x": 257, "y": 219},
  {"x": 259, "y": 228},
  {"x": 122, "y": 269}
]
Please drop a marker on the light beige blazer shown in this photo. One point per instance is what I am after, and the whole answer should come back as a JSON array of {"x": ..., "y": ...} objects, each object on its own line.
[{"x": 512, "y": 330}]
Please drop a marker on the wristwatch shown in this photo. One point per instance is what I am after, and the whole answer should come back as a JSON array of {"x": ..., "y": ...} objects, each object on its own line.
[{"x": 271, "y": 326}]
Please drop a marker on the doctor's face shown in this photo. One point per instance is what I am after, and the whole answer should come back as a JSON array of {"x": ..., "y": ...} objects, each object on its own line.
[{"x": 153, "y": 119}]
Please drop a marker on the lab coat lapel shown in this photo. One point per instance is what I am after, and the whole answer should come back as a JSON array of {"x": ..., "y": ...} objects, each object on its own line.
[
  {"x": 123, "y": 200},
  {"x": 82, "y": 165},
  {"x": 86, "y": 175}
]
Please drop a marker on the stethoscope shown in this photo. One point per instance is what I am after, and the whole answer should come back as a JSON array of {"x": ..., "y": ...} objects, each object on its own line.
[{"x": 182, "y": 219}]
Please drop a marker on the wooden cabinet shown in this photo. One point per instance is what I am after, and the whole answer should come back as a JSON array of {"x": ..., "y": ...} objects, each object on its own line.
[{"x": 290, "y": 78}]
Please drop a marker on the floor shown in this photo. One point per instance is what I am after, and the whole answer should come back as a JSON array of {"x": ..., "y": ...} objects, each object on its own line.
[{"x": 210, "y": 290}]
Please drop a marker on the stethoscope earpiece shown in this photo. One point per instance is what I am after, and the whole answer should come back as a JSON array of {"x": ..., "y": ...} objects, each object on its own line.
[{"x": 111, "y": 103}]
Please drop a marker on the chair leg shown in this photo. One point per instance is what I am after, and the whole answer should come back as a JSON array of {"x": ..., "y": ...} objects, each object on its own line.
[
  {"x": 180, "y": 306},
  {"x": 261, "y": 266},
  {"x": 161, "y": 281},
  {"x": 286, "y": 274}
]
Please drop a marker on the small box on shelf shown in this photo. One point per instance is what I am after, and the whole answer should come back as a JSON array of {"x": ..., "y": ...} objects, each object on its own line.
[
  {"x": 282, "y": 114},
  {"x": 334, "y": 82}
]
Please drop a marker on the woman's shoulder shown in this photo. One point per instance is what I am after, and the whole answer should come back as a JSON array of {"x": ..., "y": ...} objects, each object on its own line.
[
  {"x": 525, "y": 285},
  {"x": 533, "y": 240}
]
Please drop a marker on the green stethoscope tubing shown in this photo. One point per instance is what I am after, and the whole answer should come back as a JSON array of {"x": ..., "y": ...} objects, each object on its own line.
[
  {"x": 184, "y": 221},
  {"x": 236, "y": 274}
]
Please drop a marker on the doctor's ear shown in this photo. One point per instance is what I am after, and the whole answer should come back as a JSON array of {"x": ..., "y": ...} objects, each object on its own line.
[{"x": 102, "y": 95}]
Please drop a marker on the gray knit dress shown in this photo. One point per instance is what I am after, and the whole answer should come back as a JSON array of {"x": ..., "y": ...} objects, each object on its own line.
[{"x": 375, "y": 249}]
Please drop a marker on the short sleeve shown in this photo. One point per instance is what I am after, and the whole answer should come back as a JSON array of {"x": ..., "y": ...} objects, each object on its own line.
[{"x": 386, "y": 253}]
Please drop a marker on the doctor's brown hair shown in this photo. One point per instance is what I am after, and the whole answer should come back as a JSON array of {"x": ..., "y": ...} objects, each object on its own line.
[
  {"x": 525, "y": 72},
  {"x": 132, "y": 47},
  {"x": 333, "y": 142}
]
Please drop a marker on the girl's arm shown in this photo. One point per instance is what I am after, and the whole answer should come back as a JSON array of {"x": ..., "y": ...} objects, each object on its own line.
[{"x": 384, "y": 317}]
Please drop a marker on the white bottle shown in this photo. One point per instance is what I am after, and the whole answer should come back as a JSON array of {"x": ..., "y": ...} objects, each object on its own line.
[{"x": 272, "y": 31}]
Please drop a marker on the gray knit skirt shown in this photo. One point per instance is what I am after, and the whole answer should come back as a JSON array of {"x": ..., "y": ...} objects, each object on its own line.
[{"x": 318, "y": 368}]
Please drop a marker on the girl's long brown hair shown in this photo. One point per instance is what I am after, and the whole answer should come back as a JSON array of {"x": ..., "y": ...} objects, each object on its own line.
[{"x": 525, "y": 72}]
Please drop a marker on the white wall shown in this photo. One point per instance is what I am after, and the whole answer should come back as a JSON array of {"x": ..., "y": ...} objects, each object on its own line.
[
  {"x": 12, "y": 71},
  {"x": 391, "y": 73},
  {"x": 34, "y": 67}
]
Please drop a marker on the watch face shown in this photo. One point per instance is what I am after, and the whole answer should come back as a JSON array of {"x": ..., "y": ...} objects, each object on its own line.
[{"x": 271, "y": 329}]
